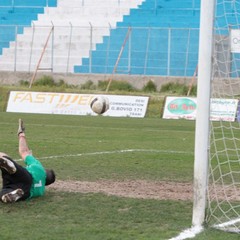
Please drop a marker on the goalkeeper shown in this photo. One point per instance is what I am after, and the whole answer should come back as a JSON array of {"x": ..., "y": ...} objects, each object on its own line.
[{"x": 21, "y": 183}]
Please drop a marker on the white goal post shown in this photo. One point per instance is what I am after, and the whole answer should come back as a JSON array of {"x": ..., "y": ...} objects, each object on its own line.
[
  {"x": 217, "y": 141},
  {"x": 203, "y": 111}
]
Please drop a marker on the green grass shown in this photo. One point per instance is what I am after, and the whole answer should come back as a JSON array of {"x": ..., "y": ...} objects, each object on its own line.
[{"x": 89, "y": 148}]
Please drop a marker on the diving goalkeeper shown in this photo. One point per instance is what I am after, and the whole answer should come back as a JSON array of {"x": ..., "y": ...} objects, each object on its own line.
[{"x": 21, "y": 183}]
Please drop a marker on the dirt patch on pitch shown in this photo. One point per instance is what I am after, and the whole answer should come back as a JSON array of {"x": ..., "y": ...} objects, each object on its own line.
[{"x": 132, "y": 189}]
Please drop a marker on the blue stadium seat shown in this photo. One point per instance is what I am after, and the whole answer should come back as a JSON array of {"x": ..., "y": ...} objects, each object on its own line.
[
  {"x": 35, "y": 3},
  {"x": 149, "y": 47},
  {"x": 6, "y": 3},
  {"x": 160, "y": 41},
  {"x": 18, "y": 13}
]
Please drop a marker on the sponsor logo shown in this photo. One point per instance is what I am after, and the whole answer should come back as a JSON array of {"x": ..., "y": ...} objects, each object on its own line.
[{"x": 182, "y": 106}]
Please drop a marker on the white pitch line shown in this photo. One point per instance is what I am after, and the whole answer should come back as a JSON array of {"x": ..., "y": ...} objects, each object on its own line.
[
  {"x": 189, "y": 233},
  {"x": 86, "y": 127},
  {"x": 227, "y": 224},
  {"x": 112, "y": 152}
]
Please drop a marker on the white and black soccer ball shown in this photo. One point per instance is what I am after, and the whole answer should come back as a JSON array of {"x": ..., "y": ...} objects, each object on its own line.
[{"x": 99, "y": 104}]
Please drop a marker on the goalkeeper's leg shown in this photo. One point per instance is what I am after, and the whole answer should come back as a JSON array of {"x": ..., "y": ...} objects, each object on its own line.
[{"x": 16, "y": 180}]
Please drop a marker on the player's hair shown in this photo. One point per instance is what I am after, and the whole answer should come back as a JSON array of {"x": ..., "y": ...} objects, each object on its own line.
[{"x": 50, "y": 176}]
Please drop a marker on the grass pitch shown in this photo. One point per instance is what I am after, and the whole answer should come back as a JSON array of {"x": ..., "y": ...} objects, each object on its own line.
[{"x": 91, "y": 149}]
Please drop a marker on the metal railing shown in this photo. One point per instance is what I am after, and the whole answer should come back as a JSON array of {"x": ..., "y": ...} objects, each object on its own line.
[{"x": 72, "y": 49}]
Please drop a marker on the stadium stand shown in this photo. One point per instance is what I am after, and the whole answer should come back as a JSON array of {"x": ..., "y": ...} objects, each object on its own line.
[
  {"x": 161, "y": 41},
  {"x": 71, "y": 38},
  {"x": 87, "y": 36}
]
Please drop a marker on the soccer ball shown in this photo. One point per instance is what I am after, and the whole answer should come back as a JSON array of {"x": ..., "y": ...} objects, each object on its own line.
[{"x": 99, "y": 104}]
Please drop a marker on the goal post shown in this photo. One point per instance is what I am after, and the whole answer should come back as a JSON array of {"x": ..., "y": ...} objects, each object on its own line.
[
  {"x": 217, "y": 130},
  {"x": 203, "y": 111}
]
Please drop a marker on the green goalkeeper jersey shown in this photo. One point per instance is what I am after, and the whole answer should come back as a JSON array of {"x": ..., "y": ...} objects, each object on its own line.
[{"x": 38, "y": 173}]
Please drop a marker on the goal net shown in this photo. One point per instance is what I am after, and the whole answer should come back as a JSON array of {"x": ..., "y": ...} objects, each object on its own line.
[{"x": 223, "y": 180}]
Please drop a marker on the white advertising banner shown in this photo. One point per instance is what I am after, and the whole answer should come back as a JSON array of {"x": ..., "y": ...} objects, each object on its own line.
[
  {"x": 180, "y": 107},
  {"x": 75, "y": 104},
  {"x": 235, "y": 40},
  {"x": 185, "y": 107},
  {"x": 223, "y": 109}
]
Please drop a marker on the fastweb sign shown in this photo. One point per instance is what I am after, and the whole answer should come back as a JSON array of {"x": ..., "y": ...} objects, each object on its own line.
[
  {"x": 75, "y": 104},
  {"x": 186, "y": 108}
]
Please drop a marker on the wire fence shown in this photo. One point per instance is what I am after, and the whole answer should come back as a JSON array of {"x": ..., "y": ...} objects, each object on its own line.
[{"x": 90, "y": 49}]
